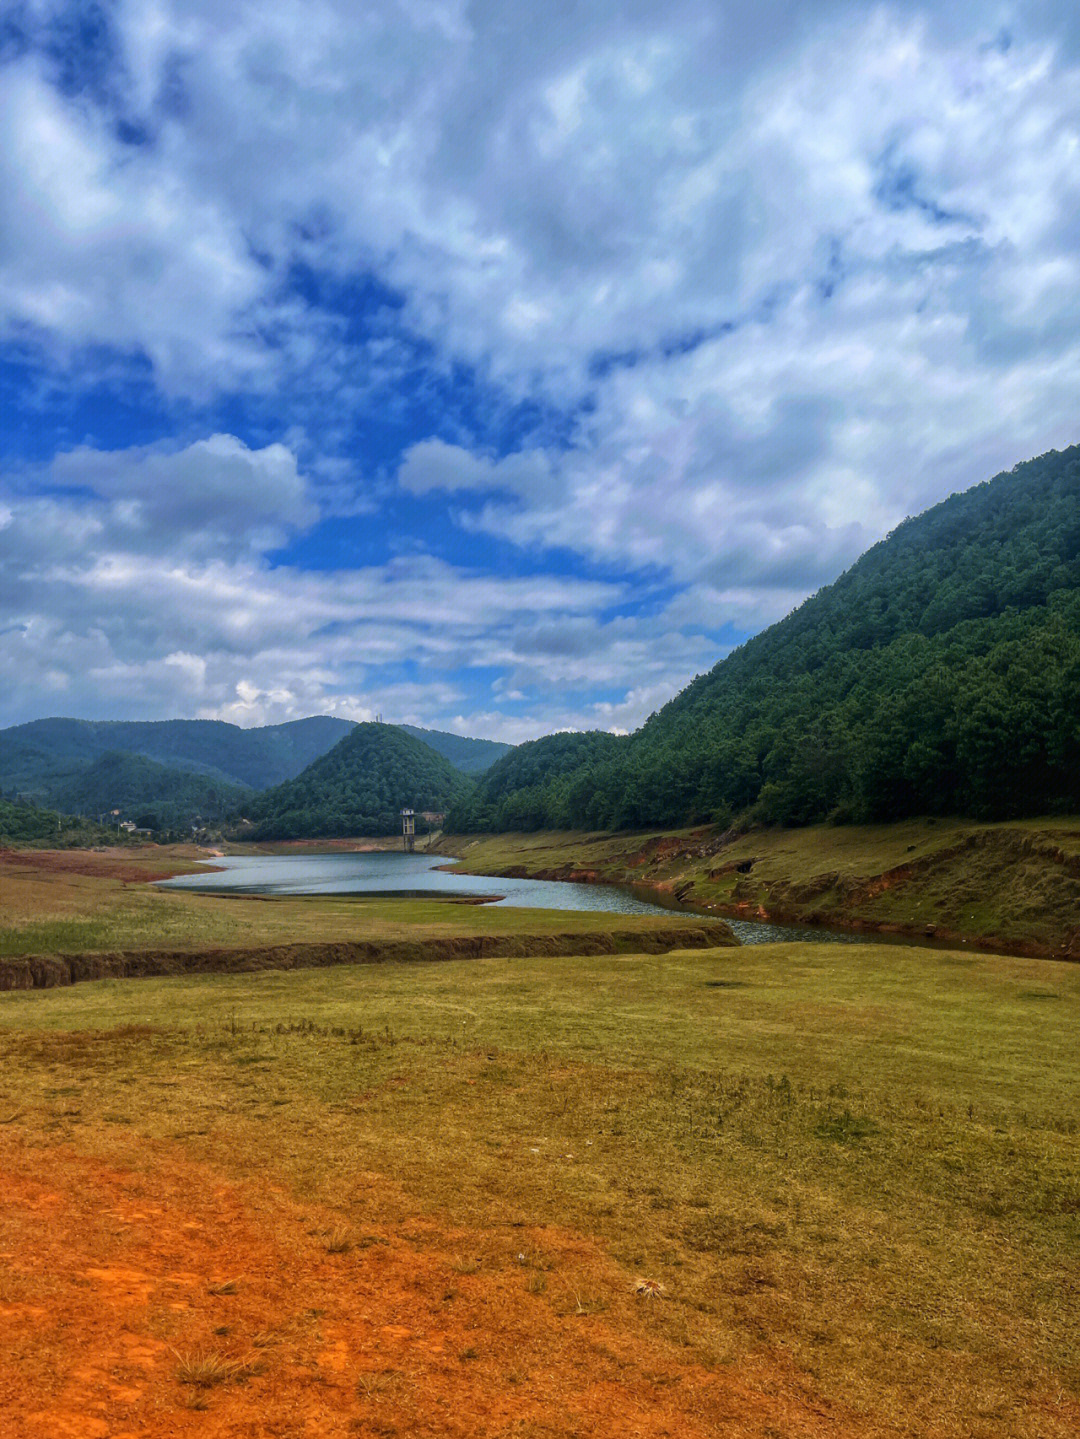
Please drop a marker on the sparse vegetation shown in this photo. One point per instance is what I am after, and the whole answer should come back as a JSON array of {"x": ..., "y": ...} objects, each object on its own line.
[
  {"x": 863, "y": 1156},
  {"x": 205, "y": 1368}
]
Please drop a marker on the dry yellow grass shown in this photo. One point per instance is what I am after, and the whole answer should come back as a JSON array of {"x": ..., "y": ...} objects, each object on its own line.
[{"x": 863, "y": 1158}]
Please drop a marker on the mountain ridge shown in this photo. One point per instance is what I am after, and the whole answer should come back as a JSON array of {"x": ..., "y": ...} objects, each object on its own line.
[{"x": 55, "y": 761}]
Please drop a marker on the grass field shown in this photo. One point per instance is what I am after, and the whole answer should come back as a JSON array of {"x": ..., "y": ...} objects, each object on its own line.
[{"x": 855, "y": 1169}]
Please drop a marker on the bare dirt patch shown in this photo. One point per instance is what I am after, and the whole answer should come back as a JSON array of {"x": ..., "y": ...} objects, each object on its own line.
[
  {"x": 117, "y": 864},
  {"x": 167, "y": 1301}
]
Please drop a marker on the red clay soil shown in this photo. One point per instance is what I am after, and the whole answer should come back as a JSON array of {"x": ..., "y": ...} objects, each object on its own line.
[
  {"x": 106, "y": 1292},
  {"x": 99, "y": 863}
]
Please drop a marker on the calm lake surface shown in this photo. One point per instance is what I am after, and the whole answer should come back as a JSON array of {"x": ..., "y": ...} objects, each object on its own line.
[{"x": 418, "y": 876}]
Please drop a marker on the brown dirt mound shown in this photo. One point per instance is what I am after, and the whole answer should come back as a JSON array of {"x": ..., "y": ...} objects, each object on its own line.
[
  {"x": 109, "y": 1319},
  {"x": 100, "y": 864}
]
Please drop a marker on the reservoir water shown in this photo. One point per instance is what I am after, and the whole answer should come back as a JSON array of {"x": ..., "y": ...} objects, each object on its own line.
[{"x": 386, "y": 874}]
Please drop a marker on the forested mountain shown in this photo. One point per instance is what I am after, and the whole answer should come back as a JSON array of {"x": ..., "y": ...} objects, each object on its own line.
[
  {"x": 359, "y": 788},
  {"x": 34, "y": 756},
  {"x": 940, "y": 674},
  {"x": 170, "y": 772},
  {"x": 154, "y": 795},
  {"x": 470, "y": 756}
]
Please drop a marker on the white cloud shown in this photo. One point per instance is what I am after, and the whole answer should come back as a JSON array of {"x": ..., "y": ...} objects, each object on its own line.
[
  {"x": 211, "y": 496},
  {"x": 139, "y": 585},
  {"x": 105, "y": 245},
  {"x": 789, "y": 269},
  {"x": 436, "y": 465},
  {"x": 538, "y": 192}
]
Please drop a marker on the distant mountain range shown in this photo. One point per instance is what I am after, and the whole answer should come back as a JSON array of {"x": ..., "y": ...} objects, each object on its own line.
[
  {"x": 172, "y": 772},
  {"x": 939, "y": 675}
]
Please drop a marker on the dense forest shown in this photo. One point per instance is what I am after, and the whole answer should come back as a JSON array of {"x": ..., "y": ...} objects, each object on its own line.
[
  {"x": 519, "y": 792},
  {"x": 168, "y": 774},
  {"x": 470, "y": 756},
  {"x": 153, "y": 795},
  {"x": 24, "y": 824},
  {"x": 939, "y": 675},
  {"x": 359, "y": 788}
]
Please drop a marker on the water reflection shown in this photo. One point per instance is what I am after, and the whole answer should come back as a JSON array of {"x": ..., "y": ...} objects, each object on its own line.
[{"x": 401, "y": 876}]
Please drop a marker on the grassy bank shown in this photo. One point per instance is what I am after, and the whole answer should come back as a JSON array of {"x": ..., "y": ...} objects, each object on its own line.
[
  {"x": 858, "y": 1160},
  {"x": 103, "y": 903},
  {"x": 1008, "y": 886}
]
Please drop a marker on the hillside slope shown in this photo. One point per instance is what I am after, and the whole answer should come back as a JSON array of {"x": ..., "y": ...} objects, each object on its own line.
[
  {"x": 939, "y": 675},
  {"x": 27, "y": 826},
  {"x": 359, "y": 788},
  {"x": 154, "y": 795},
  {"x": 470, "y": 756},
  {"x": 519, "y": 792}
]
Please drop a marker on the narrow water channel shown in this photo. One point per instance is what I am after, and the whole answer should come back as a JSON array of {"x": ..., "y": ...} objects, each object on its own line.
[{"x": 420, "y": 876}]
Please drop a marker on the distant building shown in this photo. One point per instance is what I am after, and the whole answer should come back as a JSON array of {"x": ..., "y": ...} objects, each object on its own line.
[
  {"x": 431, "y": 816},
  {"x": 408, "y": 830}
]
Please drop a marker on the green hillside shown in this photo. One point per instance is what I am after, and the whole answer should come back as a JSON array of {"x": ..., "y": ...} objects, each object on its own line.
[
  {"x": 939, "y": 675},
  {"x": 154, "y": 795},
  {"x": 26, "y": 825},
  {"x": 359, "y": 788},
  {"x": 470, "y": 756},
  {"x": 539, "y": 784}
]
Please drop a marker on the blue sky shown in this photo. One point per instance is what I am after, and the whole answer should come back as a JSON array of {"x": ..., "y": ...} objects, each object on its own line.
[{"x": 493, "y": 367}]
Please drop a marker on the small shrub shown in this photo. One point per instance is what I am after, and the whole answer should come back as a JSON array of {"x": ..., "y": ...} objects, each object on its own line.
[
  {"x": 204, "y": 1369},
  {"x": 845, "y": 1127}
]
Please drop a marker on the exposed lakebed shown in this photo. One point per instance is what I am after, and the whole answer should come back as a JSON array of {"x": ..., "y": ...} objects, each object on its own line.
[{"x": 388, "y": 875}]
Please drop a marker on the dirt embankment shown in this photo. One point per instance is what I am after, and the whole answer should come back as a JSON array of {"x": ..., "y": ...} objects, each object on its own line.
[
  {"x": 44, "y": 971},
  {"x": 1013, "y": 891},
  {"x": 1031, "y": 882}
]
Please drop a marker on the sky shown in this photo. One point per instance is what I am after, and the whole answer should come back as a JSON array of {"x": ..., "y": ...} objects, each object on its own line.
[{"x": 497, "y": 367}]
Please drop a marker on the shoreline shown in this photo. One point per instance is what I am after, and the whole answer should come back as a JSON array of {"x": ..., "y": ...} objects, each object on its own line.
[{"x": 923, "y": 879}]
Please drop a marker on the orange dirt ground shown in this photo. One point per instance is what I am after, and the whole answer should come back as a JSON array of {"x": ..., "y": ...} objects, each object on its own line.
[{"x": 106, "y": 1288}]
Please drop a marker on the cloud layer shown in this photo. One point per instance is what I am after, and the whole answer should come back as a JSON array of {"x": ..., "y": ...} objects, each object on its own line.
[{"x": 502, "y": 373}]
